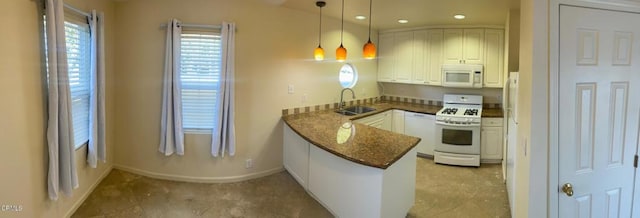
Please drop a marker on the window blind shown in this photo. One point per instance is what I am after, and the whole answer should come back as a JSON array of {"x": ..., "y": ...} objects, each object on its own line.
[
  {"x": 200, "y": 65},
  {"x": 78, "y": 43}
]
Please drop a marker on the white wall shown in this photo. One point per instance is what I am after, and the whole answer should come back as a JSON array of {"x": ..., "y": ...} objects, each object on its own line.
[
  {"x": 532, "y": 149},
  {"x": 274, "y": 47},
  {"x": 491, "y": 95},
  {"x": 24, "y": 162}
]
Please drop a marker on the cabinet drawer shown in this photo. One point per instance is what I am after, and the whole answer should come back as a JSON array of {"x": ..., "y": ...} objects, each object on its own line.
[{"x": 491, "y": 121}]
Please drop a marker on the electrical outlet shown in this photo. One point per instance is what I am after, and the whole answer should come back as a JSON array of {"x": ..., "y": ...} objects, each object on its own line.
[{"x": 248, "y": 163}]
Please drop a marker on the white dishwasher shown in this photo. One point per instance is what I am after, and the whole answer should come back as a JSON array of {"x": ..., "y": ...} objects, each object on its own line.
[{"x": 422, "y": 126}]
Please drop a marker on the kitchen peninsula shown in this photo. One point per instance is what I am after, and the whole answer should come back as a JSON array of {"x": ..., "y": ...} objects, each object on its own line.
[{"x": 352, "y": 169}]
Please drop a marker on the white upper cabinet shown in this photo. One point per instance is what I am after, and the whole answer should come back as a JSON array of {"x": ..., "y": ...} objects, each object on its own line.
[
  {"x": 386, "y": 57},
  {"x": 395, "y": 61},
  {"x": 453, "y": 46},
  {"x": 463, "y": 46},
  {"x": 417, "y": 56},
  {"x": 403, "y": 68},
  {"x": 420, "y": 42},
  {"x": 433, "y": 56},
  {"x": 494, "y": 58},
  {"x": 473, "y": 46}
]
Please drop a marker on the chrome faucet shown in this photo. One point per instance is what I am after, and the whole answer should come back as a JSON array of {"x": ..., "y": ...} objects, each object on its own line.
[{"x": 342, "y": 96}]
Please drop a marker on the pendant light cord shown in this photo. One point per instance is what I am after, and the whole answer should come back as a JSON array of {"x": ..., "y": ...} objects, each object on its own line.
[
  {"x": 370, "y": 3},
  {"x": 342, "y": 26},
  {"x": 320, "y": 28}
]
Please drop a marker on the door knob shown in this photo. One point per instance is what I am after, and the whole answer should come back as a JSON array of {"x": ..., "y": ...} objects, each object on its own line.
[{"x": 567, "y": 188}]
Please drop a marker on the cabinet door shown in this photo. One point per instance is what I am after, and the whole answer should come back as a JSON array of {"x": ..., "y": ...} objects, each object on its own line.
[
  {"x": 452, "y": 46},
  {"x": 491, "y": 143},
  {"x": 386, "y": 57},
  {"x": 397, "y": 121},
  {"x": 419, "y": 74},
  {"x": 472, "y": 52},
  {"x": 387, "y": 120},
  {"x": 296, "y": 156},
  {"x": 433, "y": 56},
  {"x": 430, "y": 133},
  {"x": 403, "y": 67},
  {"x": 380, "y": 121},
  {"x": 494, "y": 58}
]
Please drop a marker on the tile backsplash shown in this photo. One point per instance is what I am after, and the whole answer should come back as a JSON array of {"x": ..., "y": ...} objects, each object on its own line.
[{"x": 384, "y": 98}]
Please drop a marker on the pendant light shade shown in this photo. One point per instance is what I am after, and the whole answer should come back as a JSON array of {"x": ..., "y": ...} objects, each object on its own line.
[
  {"x": 318, "y": 53},
  {"x": 369, "y": 49},
  {"x": 341, "y": 52}
]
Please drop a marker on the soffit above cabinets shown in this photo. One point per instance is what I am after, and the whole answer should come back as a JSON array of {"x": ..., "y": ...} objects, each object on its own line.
[{"x": 419, "y": 12}]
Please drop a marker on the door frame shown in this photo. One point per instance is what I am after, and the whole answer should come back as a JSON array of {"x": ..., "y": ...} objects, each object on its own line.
[{"x": 554, "y": 85}]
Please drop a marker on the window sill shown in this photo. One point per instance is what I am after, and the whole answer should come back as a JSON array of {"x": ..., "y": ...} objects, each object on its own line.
[{"x": 82, "y": 145}]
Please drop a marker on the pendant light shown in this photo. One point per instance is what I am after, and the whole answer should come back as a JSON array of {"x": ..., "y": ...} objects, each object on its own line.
[
  {"x": 318, "y": 53},
  {"x": 341, "y": 52},
  {"x": 369, "y": 49}
]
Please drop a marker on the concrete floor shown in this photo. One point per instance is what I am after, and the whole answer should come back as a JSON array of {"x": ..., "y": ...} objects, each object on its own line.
[{"x": 441, "y": 191}]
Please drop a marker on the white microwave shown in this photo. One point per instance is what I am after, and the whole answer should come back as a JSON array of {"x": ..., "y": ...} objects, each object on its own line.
[{"x": 462, "y": 75}]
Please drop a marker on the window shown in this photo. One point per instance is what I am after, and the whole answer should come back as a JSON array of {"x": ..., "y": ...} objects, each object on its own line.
[
  {"x": 200, "y": 66},
  {"x": 348, "y": 76},
  {"x": 78, "y": 42},
  {"x": 79, "y": 65}
]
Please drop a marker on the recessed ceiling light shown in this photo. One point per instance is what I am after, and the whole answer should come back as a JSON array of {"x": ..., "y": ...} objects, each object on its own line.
[
  {"x": 403, "y": 21},
  {"x": 360, "y": 17},
  {"x": 459, "y": 16}
]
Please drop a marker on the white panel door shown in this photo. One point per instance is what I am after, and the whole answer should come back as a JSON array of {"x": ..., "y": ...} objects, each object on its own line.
[{"x": 598, "y": 111}]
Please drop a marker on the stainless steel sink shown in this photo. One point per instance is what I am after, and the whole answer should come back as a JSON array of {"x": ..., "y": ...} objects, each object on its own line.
[{"x": 354, "y": 110}]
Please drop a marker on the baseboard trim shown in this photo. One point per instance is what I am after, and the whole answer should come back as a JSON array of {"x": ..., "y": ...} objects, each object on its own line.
[
  {"x": 491, "y": 161},
  {"x": 225, "y": 179},
  {"x": 84, "y": 197}
]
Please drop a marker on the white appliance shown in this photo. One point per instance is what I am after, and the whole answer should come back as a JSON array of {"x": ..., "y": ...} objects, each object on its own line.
[
  {"x": 422, "y": 126},
  {"x": 462, "y": 75},
  {"x": 458, "y": 130},
  {"x": 511, "y": 102}
]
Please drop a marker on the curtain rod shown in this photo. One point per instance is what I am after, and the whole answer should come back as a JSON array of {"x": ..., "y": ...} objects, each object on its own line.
[
  {"x": 68, "y": 6},
  {"x": 203, "y": 26}
]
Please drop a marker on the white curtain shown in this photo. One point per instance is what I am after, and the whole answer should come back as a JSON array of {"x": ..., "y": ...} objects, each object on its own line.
[
  {"x": 223, "y": 138},
  {"x": 171, "y": 134},
  {"x": 96, "y": 146},
  {"x": 62, "y": 174}
]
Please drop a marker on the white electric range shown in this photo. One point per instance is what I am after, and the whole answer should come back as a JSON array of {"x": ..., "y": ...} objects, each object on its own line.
[{"x": 458, "y": 130}]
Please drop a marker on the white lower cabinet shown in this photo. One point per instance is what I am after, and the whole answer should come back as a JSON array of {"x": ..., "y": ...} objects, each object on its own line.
[
  {"x": 421, "y": 126},
  {"x": 491, "y": 140},
  {"x": 397, "y": 123},
  {"x": 349, "y": 189},
  {"x": 296, "y": 156},
  {"x": 381, "y": 121}
]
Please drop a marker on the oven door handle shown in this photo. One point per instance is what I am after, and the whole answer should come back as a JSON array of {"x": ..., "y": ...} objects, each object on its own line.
[{"x": 456, "y": 125}]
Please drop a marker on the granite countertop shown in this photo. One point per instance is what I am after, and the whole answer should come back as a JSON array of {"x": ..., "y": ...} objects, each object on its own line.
[{"x": 359, "y": 143}]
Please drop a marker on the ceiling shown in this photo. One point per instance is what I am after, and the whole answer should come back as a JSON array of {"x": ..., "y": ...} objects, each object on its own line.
[{"x": 419, "y": 12}]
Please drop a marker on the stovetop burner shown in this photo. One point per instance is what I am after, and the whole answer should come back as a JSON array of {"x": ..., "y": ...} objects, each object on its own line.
[
  {"x": 471, "y": 112},
  {"x": 450, "y": 111}
]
